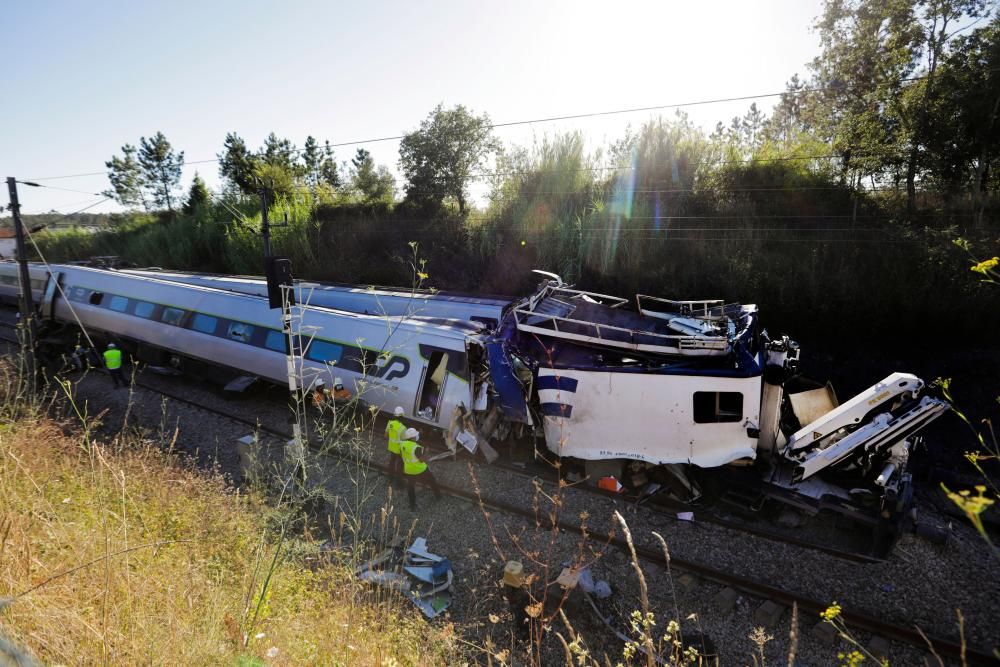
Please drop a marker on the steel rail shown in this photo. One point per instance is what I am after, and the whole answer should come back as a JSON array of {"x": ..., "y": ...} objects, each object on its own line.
[{"x": 855, "y": 619}]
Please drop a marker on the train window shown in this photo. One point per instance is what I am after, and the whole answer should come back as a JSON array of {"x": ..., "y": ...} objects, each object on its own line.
[
  {"x": 204, "y": 323},
  {"x": 118, "y": 303},
  {"x": 240, "y": 331},
  {"x": 324, "y": 352},
  {"x": 172, "y": 316},
  {"x": 711, "y": 407},
  {"x": 144, "y": 309},
  {"x": 96, "y": 298},
  {"x": 275, "y": 341}
]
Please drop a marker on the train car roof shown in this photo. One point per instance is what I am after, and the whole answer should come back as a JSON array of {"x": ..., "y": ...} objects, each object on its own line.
[
  {"x": 497, "y": 300},
  {"x": 442, "y": 325}
]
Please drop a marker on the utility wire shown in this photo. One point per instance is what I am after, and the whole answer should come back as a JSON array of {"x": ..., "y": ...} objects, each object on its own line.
[
  {"x": 52, "y": 187},
  {"x": 546, "y": 119}
]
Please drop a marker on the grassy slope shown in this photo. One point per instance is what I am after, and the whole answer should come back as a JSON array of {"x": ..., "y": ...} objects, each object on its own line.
[{"x": 185, "y": 602}]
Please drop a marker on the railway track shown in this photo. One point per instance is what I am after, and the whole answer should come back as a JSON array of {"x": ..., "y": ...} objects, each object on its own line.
[
  {"x": 660, "y": 506},
  {"x": 854, "y": 619}
]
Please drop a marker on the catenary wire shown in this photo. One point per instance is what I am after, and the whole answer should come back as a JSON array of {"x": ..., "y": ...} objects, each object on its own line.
[{"x": 594, "y": 114}]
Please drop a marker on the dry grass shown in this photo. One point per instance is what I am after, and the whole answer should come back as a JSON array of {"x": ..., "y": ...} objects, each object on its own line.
[{"x": 172, "y": 560}]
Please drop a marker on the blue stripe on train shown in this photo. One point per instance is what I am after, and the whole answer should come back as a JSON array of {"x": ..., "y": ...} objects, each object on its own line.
[
  {"x": 556, "y": 410},
  {"x": 557, "y": 382}
]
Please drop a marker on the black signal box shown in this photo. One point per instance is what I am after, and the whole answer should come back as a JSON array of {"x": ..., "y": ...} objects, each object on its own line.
[{"x": 279, "y": 273}]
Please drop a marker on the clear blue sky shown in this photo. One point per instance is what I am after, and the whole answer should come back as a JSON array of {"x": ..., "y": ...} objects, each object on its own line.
[{"x": 84, "y": 78}]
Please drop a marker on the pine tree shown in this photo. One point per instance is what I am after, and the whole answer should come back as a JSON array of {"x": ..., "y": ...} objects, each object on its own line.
[
  {"x": 161, "y": 168},
  {"x": 126, "y": 179},
  {"x": 198, "y": 196},
  {"x": 237, "y": 165}
]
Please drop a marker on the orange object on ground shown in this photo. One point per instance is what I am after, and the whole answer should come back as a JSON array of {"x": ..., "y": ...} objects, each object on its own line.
[{"x": 609, "y": 484}]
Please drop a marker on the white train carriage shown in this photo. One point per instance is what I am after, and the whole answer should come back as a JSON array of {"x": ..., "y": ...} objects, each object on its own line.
[
  {"x": 667, "y": 384},
  {"x": 370, "y": 300},
  {"x": 10, "y": 287},
  {"x": 420, "y": 364}
]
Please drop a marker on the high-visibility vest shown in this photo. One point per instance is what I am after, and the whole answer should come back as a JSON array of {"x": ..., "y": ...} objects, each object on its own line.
[
  {"x": 411, "y": 464},
  {"x": 113, "y": 359},
  {"x": 394, "y": 430}
]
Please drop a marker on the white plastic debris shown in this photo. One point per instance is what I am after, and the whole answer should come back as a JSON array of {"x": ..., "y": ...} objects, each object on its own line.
[
  {"x": 481, "y": 403},
  {"x": 467, "y": 440}
]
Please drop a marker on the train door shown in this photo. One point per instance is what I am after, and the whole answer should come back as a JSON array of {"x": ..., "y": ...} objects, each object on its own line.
[
  {"x": 432, "y": 384},
  {"x": 47, "y": 308}
]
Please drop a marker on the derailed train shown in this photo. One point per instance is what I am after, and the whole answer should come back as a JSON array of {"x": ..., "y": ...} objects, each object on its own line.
[{"x": 665, "y": 387}]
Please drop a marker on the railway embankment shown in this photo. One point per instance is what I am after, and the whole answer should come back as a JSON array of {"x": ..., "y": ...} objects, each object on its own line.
[
  {"x": 115, "y": 551},
  {"x": 920, "y": 584}
]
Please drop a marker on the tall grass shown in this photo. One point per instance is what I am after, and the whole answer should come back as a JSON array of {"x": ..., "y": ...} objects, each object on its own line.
[{"x": 118, "y": 553}]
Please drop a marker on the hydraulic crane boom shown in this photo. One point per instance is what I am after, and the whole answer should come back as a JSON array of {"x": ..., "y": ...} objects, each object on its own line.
[{"x": 875, "y": 421}]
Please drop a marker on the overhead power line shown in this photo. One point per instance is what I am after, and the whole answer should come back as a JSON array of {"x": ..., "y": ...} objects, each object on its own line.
[{"x": 545, "y": 119}]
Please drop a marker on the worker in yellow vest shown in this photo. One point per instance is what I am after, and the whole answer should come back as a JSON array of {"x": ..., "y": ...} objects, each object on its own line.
[
  {"x": 394, "y": 430},
  {"x": 413, "y": 468},
  {"x": 113, "y": 362}
]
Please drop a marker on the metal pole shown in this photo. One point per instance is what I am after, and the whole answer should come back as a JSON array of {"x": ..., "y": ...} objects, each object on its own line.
[
  {"x": 265, "y": 224},
  {"x": 296, "y": 448},
  {"x": 26, "y": 304}
]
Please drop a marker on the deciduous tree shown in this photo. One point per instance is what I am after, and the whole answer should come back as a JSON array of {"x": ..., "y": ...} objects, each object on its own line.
[
  {"x": 439, "y": 158},
  {"x": 373, "y": 183}
]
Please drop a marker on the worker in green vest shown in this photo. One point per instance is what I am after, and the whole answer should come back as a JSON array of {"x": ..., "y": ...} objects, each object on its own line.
[
  {"x": 394, "y": 430},
  {"x": 413, "y": 468},
  {"x": 113, "y": 362}
]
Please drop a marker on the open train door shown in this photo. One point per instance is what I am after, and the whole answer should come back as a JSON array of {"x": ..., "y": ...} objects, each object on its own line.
[{"x": 47, "y": 308}]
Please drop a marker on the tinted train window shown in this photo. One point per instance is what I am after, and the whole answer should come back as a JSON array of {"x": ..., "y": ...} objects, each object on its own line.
[
  {"x": 96, "y": 298},
  {"x": 324, "y": 352},
  {"x": 275, "y": 341},
  {"x": 711, "y": 407},
  {"x": 204, "y": 323},
  {"x": 240, "y": 331},
  {"x": 172, "y": 316},
  {"x": 144, "y": 309},
  {"x": 118, "y": 303}
]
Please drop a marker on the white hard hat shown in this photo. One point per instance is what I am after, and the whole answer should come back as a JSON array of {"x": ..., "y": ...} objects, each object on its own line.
[
  {"x": 399, "y": 412},
  {"x": 337, "y": 381},
  {"x": 111, "y": 345},
  {"x": 411, "y": 434},
  {"x": 320, "y": 383}
]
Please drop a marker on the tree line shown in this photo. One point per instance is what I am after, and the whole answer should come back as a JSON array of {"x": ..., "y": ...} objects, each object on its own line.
[
  {"x": 904, "y": 95},
  {"x": 807, "y": 208}
]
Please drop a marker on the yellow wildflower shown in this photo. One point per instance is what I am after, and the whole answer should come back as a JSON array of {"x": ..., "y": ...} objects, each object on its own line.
[
  {"x": 832, "y": 612},
  {"x": 986, "y": 265}
]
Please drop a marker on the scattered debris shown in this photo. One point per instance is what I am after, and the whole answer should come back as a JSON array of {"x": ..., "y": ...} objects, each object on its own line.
[
  {"x": 610, "y": 483},
  {"x": 568, "y": 578},
  {"x": 240, "y": 384},
  {"x": 423, "y": 577}
]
